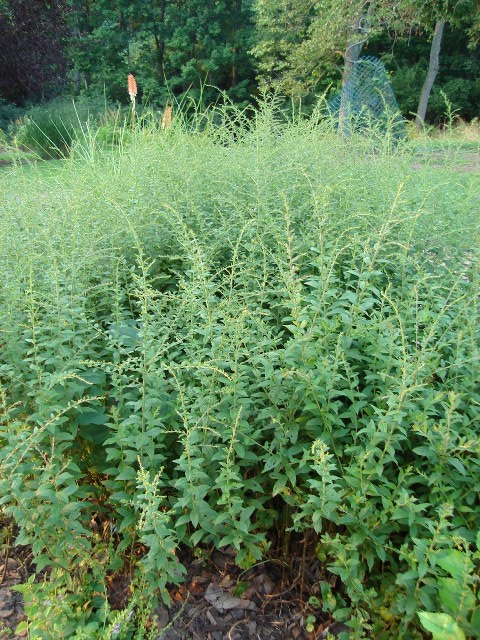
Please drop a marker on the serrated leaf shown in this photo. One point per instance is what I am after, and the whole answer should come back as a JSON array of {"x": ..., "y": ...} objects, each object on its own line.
[
  {"x": 441, "y": 626},
  {"x": 452, "y": 594},
  {"x": 454, "y": 562},
  {"x": 475, "y": 621}
]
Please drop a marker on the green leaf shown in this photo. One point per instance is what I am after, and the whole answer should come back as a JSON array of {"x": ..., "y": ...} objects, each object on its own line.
[
  {"x": 128, "y": 473},
  {"x": 240, "y": 588},
  {"x": 408, "y": 576},
  {"x": 475, "y": 621},
  {"x": 452, "y": 594},
  {"x": 21, "y": 627},
  {"x": 458, "y": 464},
  {"x": 441, "y": 626},
  {"x": 94, "y": 433},
  {"x": 94, "y": 376},
  {"x": 341, "y": 614},
  {"x": 454, "y": 562},
  {"x": 92, "y": 416}
]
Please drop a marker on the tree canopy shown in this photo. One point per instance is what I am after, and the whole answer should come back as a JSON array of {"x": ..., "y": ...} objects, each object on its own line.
[
  {"x": 33, "y": 39},
  {"x": 171, "y": 45},
  {"x": 297, "y": 48}
]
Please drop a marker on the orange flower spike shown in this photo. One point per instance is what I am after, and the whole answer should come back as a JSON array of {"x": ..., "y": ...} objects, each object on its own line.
[
  {"x": 167, "y": 116},
  {"x": 132, "y": 86}
]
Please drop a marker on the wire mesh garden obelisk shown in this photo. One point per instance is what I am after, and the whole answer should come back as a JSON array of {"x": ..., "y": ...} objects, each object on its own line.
[{"x": 367, "y": 100}]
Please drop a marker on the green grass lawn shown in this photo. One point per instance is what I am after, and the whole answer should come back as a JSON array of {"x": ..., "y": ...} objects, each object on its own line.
[
  {"x": 453, "y": 155},
  {"x": 12, "y": 156},
  {"x": 12, "y": 159},
  {"x": 267, "y": 342}
]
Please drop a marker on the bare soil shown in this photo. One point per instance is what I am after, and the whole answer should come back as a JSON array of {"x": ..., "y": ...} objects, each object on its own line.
[
  {"x": 12, "y": 571},
  {"x": 463, "y": 162},
  {"x": 216, "y": 602}
]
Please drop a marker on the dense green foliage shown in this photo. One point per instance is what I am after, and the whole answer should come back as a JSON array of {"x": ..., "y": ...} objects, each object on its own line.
[
  {"x": 177, "y": 48},
  {"x": 225, "y": 334},
  {"x": 53, "y": 130},
  {"x": 302, "y": 47},
  {"x": 458, "y": 77},
  {"x": 33, "y": 38},
  {"x": 170, "y": 45}
]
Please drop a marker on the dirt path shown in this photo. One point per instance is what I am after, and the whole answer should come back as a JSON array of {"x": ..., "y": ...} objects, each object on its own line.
[{"x": 463, "y": 162}]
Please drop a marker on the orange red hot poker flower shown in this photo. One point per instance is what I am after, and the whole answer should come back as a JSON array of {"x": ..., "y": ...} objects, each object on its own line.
[
  {"x": 132, "y": 86},
  {"x": 167, "y": 116}
]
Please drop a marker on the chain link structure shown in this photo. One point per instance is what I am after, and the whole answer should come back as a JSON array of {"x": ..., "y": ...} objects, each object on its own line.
[{"x": 367, "y": 100}]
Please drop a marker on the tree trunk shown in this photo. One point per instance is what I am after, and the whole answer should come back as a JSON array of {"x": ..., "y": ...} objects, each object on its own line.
[
  {"x": 236, "y": 21},
  {"x": 352, "y": 54},
  {"x": 433, "y": 67},
  {"x": 160, "y": 44}
]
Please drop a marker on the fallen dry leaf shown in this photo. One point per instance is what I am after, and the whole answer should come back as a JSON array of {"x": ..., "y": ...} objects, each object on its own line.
[
  {"x": 222, "y": 600},
  {"x": 196, "y": 587},
  {"x": 180, "y": 594}
]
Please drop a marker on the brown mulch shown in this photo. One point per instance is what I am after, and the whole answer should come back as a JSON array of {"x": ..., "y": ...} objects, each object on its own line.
[
  {"x": 12, "y": 572},
  {"x": 217, "y": 601},
  {"x": 220, "y": 602}
]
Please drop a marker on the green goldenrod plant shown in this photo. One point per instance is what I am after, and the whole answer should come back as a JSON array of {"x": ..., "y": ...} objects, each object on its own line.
[
  {"x": 249, "y": 334},
  {"x": 457, "y": 591}
]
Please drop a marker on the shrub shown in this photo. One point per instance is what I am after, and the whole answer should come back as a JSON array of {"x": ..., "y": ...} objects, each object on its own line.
[
  {"x": 207, "y": 340},
  {"x": 8, "y": 113}
]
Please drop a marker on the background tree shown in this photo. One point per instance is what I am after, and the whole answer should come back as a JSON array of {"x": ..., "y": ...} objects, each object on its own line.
[
  {"x": 309, "y": 39},
  {"x": 171, "y": 45},
  {"x": 433, "y": 67},
  {"x": 32, "y": 46},
  {"x": 281, "y": 27},
  {"x": 432, "y": 16}
]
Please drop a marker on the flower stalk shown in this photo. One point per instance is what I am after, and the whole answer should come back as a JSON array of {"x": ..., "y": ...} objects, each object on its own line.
[
  {"x": 132, "y": 91},
  {"x": 167, "y": 116}
]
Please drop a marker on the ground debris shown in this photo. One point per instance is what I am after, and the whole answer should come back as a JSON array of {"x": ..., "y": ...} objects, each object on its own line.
[
  {"x": 224, "y": 603},
  {"x": 11, "y": 602},
  {"x": 223, "y": 600},
  {"x": 216, "y": 602}
]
